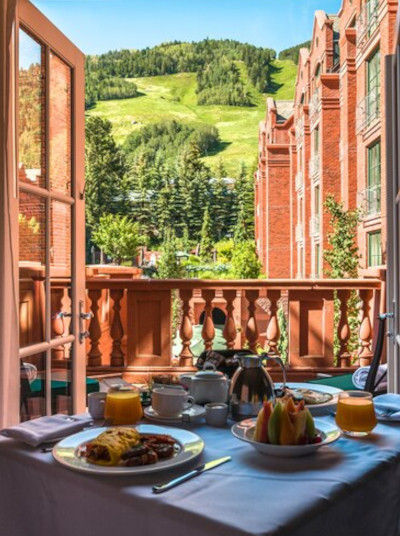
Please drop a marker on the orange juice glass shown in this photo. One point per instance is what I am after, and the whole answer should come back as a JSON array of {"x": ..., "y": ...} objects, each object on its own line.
[
  {"x": 355, "y": 414},
  {"x": 123, "y": 406}
]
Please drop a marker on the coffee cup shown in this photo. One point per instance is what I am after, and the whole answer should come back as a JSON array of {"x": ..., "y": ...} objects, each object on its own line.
[
  {"x": 96, "y": 404},
  {"x": 170, "y": 402}
]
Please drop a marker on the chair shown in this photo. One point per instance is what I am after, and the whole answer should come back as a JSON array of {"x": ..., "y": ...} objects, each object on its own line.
[{"x": 344, "y": 381}]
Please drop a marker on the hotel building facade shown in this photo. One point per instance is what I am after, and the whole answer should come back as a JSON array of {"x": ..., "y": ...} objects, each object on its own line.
[{"x": 329, "y": 141}]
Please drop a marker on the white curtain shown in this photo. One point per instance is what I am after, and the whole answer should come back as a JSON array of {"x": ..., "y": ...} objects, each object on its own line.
[{"x": 9, "y": 362}]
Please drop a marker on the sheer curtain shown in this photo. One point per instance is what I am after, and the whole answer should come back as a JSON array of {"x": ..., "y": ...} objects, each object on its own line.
[{"x": 9, "y": 363}]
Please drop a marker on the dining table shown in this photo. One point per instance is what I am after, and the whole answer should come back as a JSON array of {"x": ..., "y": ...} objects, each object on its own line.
[{"x": 348, "y": 488}]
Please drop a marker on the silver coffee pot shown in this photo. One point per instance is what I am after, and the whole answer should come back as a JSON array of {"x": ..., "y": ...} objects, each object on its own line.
[{"x": 251, "y": 385}]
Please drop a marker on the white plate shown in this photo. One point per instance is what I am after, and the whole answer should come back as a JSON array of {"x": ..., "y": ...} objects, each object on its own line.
[
  {"x": 244, "y": 431},
  {"x": 66, "y": 451},
  {"x": 318, "y": 409},
  {"x": 193, "y": 414}
]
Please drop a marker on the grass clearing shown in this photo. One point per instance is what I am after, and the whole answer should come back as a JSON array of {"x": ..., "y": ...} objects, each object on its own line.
[{"x": 174, "y": 97}]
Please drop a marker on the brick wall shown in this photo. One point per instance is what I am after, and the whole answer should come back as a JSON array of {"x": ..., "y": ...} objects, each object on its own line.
[{"x": 331, "y": 86}]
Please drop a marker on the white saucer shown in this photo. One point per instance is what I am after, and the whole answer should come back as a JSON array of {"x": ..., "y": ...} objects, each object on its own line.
[{"x": 192, "y": 414}]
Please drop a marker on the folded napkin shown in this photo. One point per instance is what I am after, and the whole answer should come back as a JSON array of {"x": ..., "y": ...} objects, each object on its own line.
[
  {"x": 360, "y": 377},
  {"x": 387, "y": 407},
  {"x": 46, "y": 429}
]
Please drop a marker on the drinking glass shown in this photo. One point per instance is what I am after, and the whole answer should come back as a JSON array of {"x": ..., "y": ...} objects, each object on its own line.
[
  {"x": 355, "y": 414},
  {"x": 123, "y": 406}
]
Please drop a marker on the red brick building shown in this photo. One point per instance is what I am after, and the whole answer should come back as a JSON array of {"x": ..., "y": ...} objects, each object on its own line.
[{"x": 331, "y": 143}]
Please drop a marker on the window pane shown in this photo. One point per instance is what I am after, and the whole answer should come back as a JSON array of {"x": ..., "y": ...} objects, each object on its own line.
[
  {"x": 61, "y": 400},
  {"x": 60, "y": 125},
  {"x": 374, "y": 249},
  {"x": 60, "y": 267},
  {"x": 32, "y": 257},
  {"x": 374, "y": 179},
  {"x": 33, "y": 387},
  {"x": 31, "y": 111}
]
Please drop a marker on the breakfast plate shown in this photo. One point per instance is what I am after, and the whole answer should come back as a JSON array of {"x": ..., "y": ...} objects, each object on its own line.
[
  {"x": 244, "y": 431},
  {"x": 320, "y": 399},
  {"x": 68, "y": 452}
]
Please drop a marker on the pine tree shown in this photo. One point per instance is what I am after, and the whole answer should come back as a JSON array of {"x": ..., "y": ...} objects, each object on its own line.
[
  {"x": 194, "y": 184},
  {"x": 206, "y": 242},
  {"x": 244, "y": 190},
  {"x": 104, "y": 171},
  {"x": 220, "y": 204},
  {"x": 241, "y": 233},
  {"x": 168, "y": 265}
]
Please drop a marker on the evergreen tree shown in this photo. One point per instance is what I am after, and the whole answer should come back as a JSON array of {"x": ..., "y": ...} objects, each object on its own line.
[
  {"x": 220, "y": 203},
  {"x": 104, "y": 170},
  {"x": 194, "y": 180},
  {"x": 206, "y": 242},
  {"x": 168, "y": 265},
  {"x": 242, "y": 232},
  {"x": 244, "y": 191}
]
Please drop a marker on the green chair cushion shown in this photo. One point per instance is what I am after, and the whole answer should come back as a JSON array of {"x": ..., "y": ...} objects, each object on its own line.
[{"x": 342, "y": 381}]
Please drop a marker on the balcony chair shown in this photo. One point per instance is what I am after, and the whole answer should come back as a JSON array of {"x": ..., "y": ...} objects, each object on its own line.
[{"x": 344, "y": 381}]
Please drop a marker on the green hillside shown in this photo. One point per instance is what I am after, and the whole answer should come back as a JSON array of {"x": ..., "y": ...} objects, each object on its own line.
[{"x": 173, "y": 97}]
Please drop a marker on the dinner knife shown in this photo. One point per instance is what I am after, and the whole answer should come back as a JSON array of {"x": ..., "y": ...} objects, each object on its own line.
[{"x": 160, "y": 488}]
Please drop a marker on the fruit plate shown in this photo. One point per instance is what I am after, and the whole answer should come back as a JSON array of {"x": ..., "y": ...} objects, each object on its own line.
[
  {"x": 244, "y": 431},
  {"x": 67, "y": 451}
]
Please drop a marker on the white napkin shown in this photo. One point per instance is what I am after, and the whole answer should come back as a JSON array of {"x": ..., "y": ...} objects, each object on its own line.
[
  {"x": 360, "y": 377},
  {"x": 46, "y": 429},
  {"x": 387, "y": 407}
]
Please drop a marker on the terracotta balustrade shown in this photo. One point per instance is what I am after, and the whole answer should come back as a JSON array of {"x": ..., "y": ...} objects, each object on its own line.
[{"x": 131, "y": 329}]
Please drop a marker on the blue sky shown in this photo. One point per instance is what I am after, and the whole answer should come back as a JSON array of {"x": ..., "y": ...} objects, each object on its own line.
[{"x": 100, "y": 25}]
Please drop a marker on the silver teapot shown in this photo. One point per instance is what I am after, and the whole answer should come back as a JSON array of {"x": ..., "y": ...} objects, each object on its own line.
[{"x": 251, "y": 385}]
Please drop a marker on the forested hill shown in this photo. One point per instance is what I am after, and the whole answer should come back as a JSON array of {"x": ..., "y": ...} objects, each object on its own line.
[{"x": 219, "y": 79}]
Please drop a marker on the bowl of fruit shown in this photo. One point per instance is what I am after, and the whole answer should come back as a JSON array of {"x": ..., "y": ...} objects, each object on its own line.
[{"x": 286, "y": 428}]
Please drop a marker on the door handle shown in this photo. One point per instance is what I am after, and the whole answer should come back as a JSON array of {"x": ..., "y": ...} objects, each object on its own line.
[{"x": 83, "y": 332}]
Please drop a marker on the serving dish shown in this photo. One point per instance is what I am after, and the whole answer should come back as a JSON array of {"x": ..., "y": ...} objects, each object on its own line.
[
  {"x": 68, "y": 451},
  {"x": 244, "y": 431},
  {"x": 316, "y": 409}
]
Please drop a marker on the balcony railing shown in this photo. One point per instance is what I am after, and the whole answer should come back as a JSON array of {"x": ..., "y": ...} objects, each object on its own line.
[
  {"x": 299, "y": 180},
  {"x": 367, "y": 22},
  {"x": 368, "y": 109},
  {"x": 299, "y": 232},
  {"x": 370, "y": 200},
  {"x": 131, "y": 330},
  {"x": 314, "y": 166},
  {"x": 315, "y": 107},
  {"x": 314, "y": 225}
]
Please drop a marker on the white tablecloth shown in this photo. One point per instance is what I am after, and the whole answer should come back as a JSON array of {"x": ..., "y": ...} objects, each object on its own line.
[{"x": 351, "y": 488}]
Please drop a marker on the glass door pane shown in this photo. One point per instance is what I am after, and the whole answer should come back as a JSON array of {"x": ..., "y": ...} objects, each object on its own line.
[
  {"x": 45, "y": 229},
  {"x": 32, "y": 268},
  {"x": 31, "y": 110},
  {"x": 59, "y": 124}
]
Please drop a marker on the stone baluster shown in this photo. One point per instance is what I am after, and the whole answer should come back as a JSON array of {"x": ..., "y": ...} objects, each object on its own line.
[
  {"x": 273, "y": 332},
  {"x": 94, "y": 355},
  {"x": 229, "y": 332},
  {"x": 208, "y": 331},
  {"x": 365, "y": 353},
  {"x": 251, "y": 327},
  {"x": 117, "y": 331},
  {"x": 57, "y": 321},
  {"x": 186, "y": 330},
  {"x": 343, "y": 329}
]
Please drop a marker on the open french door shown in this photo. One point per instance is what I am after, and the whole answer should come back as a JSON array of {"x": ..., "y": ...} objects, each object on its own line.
[
  {"x": 393, "y": 212},
  {"x": 49, "y": 186}
]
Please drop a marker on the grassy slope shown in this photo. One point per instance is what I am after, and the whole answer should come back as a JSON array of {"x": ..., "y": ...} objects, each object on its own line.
[{"x": 174, "y": 97}]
